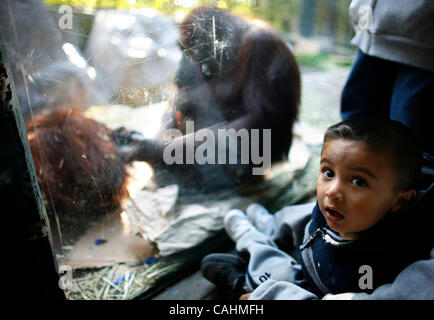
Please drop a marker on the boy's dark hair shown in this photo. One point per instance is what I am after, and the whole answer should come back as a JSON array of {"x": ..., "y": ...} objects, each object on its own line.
[{"x": 385, "y": 136}]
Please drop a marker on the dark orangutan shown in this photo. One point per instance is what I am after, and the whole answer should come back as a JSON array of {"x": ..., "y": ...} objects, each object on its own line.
[
  {"x": 234, "y": 73},
  {"x": 78, "y": 165}
]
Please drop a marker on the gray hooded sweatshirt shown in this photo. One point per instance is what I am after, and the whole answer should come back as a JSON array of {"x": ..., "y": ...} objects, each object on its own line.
[{"x": 396, "y": 30}]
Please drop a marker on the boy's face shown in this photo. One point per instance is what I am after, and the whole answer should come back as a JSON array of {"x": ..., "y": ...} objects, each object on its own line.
[{"x": 355, "y": 187}]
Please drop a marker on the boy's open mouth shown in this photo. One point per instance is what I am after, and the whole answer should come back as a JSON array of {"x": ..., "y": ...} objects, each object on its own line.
[{"x": 333, "y": 215}]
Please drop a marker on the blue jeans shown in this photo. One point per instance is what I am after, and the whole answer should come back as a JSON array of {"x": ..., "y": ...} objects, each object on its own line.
[{"x": 401, "y": 92}]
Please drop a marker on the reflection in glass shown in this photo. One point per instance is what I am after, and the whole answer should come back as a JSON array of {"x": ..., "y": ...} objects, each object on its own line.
[{"x": 101, "y": 102}]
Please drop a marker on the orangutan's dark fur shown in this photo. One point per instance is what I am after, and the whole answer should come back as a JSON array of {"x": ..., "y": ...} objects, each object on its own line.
[{"x": 245, "y": 67}]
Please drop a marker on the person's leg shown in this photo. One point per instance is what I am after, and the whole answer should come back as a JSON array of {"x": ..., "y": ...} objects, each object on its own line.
[
  {"x": 369, "y": 87},
  {"x": 263, "y": 220},
  {"x": 413, "y": 104},
  {"x": 266, "y": 261},
  {"x": 285, "y": 227}
]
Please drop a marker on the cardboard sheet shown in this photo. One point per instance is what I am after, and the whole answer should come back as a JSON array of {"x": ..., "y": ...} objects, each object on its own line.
[{"x": 121, "y": 246}]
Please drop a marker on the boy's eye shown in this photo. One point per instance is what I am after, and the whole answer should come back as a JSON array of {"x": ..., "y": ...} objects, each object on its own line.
[
  {"x": 327, "y": 173},
  {"x": 359, "y": 182}
]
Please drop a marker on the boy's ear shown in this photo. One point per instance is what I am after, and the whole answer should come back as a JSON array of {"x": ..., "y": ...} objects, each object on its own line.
[{"x": 403, "y": 199}]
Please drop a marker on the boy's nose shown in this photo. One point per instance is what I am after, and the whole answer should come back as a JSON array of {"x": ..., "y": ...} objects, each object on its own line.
[{"x": 335, "y": 191}]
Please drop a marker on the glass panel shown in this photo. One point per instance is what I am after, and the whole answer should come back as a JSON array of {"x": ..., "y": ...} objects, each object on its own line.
[{"x": 148, "y": 120}]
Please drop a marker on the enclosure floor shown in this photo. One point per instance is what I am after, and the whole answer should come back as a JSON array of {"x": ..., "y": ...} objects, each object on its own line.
[{"x": 192, "y": 287}]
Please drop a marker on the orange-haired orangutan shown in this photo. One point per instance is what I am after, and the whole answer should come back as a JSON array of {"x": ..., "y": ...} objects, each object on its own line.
[
  {"x": 234, "y": 73},
  {"x": 77, "y": 163}
]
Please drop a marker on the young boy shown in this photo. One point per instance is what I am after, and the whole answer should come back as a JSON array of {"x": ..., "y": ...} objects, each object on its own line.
[{"x": 364, "y": 229}]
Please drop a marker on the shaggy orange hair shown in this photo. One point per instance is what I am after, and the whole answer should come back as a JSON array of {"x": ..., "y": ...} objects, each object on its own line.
[{"x": 78, "y": 165}]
